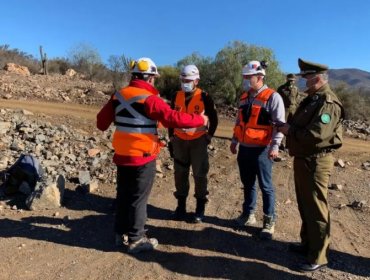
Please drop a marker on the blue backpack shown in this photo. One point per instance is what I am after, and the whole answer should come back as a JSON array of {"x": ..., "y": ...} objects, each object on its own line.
[{"x": 27, "y": 168}]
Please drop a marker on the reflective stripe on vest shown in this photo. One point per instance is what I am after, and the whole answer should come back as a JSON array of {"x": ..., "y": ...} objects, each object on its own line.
[
  {"x": 135, "y": 135},
  {"x": 195, "y": 105},
  {"x": 250, "y": 132},
  {"x": 192, "y": 130},
  {"x": 138, "y": 123}
]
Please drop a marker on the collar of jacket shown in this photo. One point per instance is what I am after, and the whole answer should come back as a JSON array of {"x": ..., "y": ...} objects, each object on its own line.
[
  {"x": 319, "y": 91},
  {"x": 253, "y": 93},
  {"x": 144, "y": 85}
]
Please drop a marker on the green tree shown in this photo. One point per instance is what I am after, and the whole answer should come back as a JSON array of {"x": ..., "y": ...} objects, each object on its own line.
[
  {"x": 229, "y": 63},
  {"x": 168, "y": 83},
  {"x": 205, "y": 66},
  {"x": 356, "y": 102},
  {"x": 221, "y": 77}
]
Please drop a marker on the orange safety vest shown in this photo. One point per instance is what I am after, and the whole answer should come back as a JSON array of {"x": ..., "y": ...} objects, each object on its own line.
[
  {"x": 251, "y": 131},
  {"x": 195, "y": 106},
  {"x": 135, "y": 135}
]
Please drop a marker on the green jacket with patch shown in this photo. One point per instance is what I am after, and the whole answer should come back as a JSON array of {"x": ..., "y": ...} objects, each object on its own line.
[
  {"x": 316, "y": 126},
  {"x": 289, "y": 93}
]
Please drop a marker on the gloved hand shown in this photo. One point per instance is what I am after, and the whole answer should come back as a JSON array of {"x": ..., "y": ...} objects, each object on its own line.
[{"x": 233, "y": 148}]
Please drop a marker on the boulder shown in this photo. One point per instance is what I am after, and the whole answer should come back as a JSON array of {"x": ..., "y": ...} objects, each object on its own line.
[
  {"x": 70, "y": 73},
  {"x": 47, "y": 195},
  {"x": 18, "y": 69}
]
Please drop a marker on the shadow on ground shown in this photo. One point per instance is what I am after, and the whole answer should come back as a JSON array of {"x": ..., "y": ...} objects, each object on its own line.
[{"x": 96, "y": 232}]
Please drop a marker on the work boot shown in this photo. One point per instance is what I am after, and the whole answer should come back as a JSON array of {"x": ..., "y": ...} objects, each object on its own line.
[
  {"x": 246, "y": 220},
  {"x": 180, "y": 212},
  {"x": 142, "y": 245},
  {"x": 199, "y": 211},
  {"x": 268, "y": 227},
  {"x": 310, "y": 267},
  {"x": 121, "y": 240}
]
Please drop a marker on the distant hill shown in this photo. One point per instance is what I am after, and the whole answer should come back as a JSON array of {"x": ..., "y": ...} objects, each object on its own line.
[{"x": 353, "y": 77}]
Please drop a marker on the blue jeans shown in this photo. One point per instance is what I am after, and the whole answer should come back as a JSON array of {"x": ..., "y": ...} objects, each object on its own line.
[{"x": 254, "y": 162}]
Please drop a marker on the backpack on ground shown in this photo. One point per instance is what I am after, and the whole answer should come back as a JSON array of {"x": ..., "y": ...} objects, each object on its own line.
[{"x": 22, "y": 176}]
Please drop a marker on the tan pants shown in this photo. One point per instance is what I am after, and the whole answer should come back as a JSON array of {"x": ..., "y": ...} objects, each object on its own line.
[{"x": 311, "y": 176}]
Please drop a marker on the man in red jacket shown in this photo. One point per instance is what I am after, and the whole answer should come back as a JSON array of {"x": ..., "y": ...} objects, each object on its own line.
[{"x": 136, "y": 111}]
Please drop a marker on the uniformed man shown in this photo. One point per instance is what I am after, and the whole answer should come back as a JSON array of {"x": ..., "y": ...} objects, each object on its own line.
[
  {"x": 314, "y": 133},
  {"x": 289, "y": 93}
]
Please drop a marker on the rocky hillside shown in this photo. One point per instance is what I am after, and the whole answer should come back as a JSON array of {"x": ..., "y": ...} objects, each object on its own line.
[
  {"x": 56, "y": 88},
  {"x": 355, "y": 78}
]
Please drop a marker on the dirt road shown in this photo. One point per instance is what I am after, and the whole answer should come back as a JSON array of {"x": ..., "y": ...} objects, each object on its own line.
[
  {"x": 76, "y": 241},
  {"x": 82, "y": 112}
]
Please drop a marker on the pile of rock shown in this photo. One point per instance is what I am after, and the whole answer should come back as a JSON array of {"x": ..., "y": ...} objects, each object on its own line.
[
  {"x": 62, "y": 151},
  {"x": 358, "y": 129},
  {"x": 57, "y": 88}
]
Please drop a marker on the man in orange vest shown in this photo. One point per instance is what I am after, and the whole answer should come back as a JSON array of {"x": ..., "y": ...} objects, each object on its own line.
[
  {"x": 260, "y": 107},
  {"x": 190, "y": 145},
  {"x": 135, "y": 111}
]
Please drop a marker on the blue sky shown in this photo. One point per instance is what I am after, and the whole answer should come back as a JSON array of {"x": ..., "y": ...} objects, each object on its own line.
[{"x": 327, "y": 31}]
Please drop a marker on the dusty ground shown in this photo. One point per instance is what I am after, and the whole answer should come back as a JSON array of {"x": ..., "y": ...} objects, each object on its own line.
[{"x": 76, "y": 241}]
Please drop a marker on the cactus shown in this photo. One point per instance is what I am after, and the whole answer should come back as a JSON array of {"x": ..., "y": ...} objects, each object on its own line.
[{"x": 43, "y": 61}]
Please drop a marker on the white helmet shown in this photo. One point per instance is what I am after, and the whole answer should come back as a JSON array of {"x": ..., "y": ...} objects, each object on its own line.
[
  {"x": 144, "y": 65},
  {"x": 190, "y": 72},
  {"x": 254, "y": 68}
]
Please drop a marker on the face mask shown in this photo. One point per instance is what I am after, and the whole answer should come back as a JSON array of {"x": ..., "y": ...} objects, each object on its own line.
[
  {"x": 187, "y": 87},
  {"x": 309, "y": 84},
  {"x": 246, "y": 84}
]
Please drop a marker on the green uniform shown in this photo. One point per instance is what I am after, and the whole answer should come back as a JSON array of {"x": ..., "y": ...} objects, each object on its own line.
[
  {"x": 314, "y": 133},
  {"x": 289, "y": 93}
]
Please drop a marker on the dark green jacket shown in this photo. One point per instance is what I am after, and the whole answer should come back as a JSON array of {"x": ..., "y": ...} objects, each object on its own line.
[
  {"x": 289, "y": 93},
  {"x": 316, "y": 126}
]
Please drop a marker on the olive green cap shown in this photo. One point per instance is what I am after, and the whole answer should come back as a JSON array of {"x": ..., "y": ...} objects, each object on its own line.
[
  {"x": 308, "y": 67},
  {"x": 290, "y": 77}
]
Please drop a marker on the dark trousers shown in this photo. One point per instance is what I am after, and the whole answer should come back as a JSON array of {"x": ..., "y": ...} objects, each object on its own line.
[
  {"x": 192, "y": 153},
  {"x": 134, "y": 184},
  {"x": 311, "y": 176},
  {"x": 254, "y": 163}
]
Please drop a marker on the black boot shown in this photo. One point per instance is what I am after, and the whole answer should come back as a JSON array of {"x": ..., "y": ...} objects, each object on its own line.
[
  {"x": 180, "y": 212},
  {"x": 199, "y": 211}
]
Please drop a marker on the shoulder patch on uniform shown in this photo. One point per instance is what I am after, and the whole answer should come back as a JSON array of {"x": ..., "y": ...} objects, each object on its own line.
[
  {"x": 329, "y": 98},
  {"x": 325, "y": 118}
]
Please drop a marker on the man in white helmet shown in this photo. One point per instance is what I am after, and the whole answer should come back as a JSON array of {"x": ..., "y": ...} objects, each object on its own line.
[
  {"x": 258, "y": 142},
  {"x": 136, "y": 111},
  {"x": 189, "y": 146}
]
